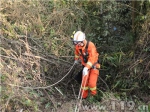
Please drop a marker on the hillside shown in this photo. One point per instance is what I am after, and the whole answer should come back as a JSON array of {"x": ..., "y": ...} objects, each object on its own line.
[{"x": 37, "y": 54}]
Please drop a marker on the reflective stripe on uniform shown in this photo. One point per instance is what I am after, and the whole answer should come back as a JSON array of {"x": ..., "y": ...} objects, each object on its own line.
[
  {"x": 94, "y": 88},
  {"x": 76, "y": 56},
  {"x": 89, "y": 63},
  {"x": 98, "y": 66},
  {"x": 84, "y": 88}
]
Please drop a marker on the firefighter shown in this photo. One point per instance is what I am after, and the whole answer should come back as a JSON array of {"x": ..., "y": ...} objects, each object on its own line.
[{"x": 86, "y": 52}]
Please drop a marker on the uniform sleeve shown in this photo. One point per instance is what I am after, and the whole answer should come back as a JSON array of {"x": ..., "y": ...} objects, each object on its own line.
[
  {"x": 76, "y": 54},
  {"x": 93, "y": 56}
]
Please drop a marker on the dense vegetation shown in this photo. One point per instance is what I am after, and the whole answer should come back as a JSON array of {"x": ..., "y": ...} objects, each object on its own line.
[{"x": 36, "y": 51}]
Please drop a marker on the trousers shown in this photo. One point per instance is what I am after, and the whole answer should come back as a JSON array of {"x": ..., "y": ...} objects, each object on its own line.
[{"x": 89, "y": 82}]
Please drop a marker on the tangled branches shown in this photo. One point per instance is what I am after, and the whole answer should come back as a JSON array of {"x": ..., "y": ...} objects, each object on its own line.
[{"x": 31, "y": 54}]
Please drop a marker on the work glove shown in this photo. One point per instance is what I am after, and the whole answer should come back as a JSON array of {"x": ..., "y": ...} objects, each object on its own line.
[
  {"x": 76, "y": 62},
  {"x": 85, "y": 71}
]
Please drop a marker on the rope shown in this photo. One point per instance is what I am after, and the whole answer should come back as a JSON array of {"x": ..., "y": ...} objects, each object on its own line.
[
  {"x": 46, "y": 86},
  {"x": 80, "y": 95}
]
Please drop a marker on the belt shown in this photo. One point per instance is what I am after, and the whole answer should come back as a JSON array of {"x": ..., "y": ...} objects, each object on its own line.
[{"x": 95, "y": 67}]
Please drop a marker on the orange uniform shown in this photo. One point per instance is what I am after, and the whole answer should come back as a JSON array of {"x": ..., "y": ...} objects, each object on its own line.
[{"x": 88, "y": 81}]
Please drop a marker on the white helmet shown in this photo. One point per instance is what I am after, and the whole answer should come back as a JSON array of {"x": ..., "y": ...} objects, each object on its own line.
[{"x": 79, "y": 36}]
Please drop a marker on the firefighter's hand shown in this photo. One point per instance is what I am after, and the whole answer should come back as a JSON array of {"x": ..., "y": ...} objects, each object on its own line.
[
  {"x": 76, "y": 62},
  {"x": 85, "y": 71}
]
